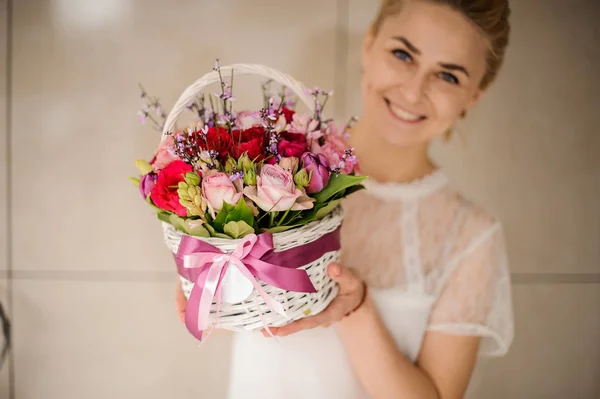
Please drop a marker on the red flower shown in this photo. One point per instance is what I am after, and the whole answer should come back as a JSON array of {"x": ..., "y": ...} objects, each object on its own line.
[
  {"x": 164, "y": 193},
  {"x": 288, "y": 113},
  {"x": 218, "y": 139},
  {"x": 251, "y": 141},
  {"x": 292, "y": 144}
]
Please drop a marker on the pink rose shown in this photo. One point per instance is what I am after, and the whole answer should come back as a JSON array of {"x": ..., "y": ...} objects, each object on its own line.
[
  {"x": 164, "y": 154},
  {"x": 217, "y": 188},
  {"x": 275, "y": 191}
]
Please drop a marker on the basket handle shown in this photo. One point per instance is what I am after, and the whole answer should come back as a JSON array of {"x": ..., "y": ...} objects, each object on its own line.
[{"x": 196, "y": 88}]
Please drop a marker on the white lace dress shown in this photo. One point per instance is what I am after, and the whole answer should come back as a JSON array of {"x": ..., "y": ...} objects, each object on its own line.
[{"x": 433, "y": 261}]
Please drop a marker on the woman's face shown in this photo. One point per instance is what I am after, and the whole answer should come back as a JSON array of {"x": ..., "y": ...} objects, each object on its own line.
[{"x": 420, "y": 73}]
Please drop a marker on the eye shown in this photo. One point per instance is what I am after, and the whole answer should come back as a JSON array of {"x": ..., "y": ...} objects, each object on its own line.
[
  {"x": 402, "y": 55},
  {"x": 448, "y": 77}
]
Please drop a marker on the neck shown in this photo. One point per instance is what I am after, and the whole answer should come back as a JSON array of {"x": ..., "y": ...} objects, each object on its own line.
[{"x": 386, "y": 163}]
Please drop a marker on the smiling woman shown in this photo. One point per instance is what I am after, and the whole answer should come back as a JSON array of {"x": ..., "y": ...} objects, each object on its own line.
[
  {"x": 424, "y": 286},
  {"x": 425, "y": 76}
]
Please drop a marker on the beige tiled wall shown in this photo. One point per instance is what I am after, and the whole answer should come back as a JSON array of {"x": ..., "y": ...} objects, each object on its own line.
[
  {"x": 93, "y": 306},
  {"x": 555, "y": 353},
  {"x": 4, "y": 372},
  {"x": 110, "y": 339}
]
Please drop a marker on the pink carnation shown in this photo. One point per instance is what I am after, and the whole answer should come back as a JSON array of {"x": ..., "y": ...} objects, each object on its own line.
[
  {"x": 333, "y": 151},
  {"x": 302, "y": 123}
]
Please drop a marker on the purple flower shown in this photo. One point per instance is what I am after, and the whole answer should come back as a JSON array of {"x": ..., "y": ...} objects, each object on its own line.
[
  {"x": 236, "y": 175},
  {"x": 318, "y": 165},
  {"x": 143, "y": 115},
  {"x": 147, "y": 183}
]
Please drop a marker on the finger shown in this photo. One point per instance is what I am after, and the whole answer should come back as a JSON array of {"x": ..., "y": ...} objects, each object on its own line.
[
  {"x": 306, "y": 323},
  {"x": 347, "y": 280},
  {"x": 302, "y": 324},
  {"x": 332, "y": 314},
  {"x": 295, "y": 327},
  {"x": 266, "y": 334}
]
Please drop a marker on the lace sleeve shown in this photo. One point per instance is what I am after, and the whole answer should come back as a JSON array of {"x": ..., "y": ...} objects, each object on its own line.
[{"x": 475, "y": 294}]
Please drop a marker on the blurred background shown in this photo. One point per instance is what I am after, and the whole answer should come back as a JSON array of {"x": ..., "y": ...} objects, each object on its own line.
[{"x": 85, "y": 277}]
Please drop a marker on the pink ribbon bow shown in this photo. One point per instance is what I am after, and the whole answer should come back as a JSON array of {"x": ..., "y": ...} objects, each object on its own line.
[{"x": 205, "y": 265}]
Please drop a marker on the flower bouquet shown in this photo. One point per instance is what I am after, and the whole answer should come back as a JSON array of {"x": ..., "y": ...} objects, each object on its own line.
[{"x": 249, "y": 201}]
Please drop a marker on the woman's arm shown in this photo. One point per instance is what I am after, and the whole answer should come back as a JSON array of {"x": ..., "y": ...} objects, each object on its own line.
[{"x": 443, "y": 369}]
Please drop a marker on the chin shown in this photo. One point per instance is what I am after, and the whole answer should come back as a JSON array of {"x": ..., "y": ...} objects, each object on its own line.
[{"x": 400, "y": 139}]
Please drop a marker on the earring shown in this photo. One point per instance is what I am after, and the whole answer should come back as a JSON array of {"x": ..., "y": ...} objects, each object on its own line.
[{"x": 448, "y": 134}]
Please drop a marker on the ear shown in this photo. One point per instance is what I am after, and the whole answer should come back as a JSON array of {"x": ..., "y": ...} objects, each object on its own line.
[{"x": 476, "y": 98}]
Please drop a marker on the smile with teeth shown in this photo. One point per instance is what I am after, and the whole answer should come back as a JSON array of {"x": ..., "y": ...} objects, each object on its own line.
[{"x": 403, "y": 114}]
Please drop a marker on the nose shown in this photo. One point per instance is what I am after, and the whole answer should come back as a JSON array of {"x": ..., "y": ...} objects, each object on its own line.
[{"x": 413, "y": 88}]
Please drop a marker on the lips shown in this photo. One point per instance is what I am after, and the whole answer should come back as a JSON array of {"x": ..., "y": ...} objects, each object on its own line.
[{"x": 403, "y": 114}]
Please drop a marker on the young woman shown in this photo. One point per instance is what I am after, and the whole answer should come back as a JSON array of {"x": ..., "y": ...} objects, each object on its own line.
[{"x": 434, "y": 263}]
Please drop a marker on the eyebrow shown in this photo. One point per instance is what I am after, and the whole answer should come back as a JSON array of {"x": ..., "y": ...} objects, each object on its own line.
[
  {"x": 414, "y": 49},
  {"x": 454, "y": 67},
  {"x": 408, "y": 44}
]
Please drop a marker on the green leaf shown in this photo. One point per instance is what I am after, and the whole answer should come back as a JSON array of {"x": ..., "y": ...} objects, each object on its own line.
[
  {"x": 238, "y": 229},
  {"x": 241, "y": 212},
  {"x": 221, "y": 218},
  {"x": 327, "y": 209},
  {"x": 352, "y": 189},
  {"x": 198, "y": 231},
  {"x": 164, "y": 216},
  {"x": 336, "y": 184},
  {"x": 135, "y": 181},
  {"x": 149, "y": 201},
  {"x": 193, "y": 227},
  {"x": 178, "y": 223},
  {"x": 211, "y": 230},
  {"x": 143, "y": 166}
]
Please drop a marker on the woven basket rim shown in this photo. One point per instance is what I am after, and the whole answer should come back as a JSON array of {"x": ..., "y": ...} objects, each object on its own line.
[{"x": 336, "y": 214}]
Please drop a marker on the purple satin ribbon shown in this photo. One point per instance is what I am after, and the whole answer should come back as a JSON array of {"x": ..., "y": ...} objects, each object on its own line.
[{"x": 205, "y": 265}]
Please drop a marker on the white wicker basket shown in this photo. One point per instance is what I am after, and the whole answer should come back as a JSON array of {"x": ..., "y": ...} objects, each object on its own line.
[{"x": 252, "y": 313}]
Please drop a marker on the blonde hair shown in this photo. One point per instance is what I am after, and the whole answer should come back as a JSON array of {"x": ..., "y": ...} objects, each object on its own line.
[{"x": 489, "y": 16}]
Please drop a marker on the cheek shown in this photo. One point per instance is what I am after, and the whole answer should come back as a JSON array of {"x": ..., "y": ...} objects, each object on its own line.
[
  {"x": 385, "y": 75},
  {"x": 379, "y": 79},
  {"x": 448, "y": 105}
]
